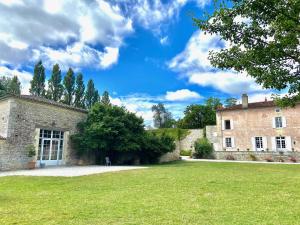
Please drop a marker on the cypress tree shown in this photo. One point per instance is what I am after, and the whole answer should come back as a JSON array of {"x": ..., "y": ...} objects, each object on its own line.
[
  {"x": 37, "y": 85},
  {"x": 69, "y": 86},
  {"x": 55, "y": 88},
  {"x": 79, "y": 92},
  {"x": 105, "y": 98},
  {"x": 90, "y": 94}
]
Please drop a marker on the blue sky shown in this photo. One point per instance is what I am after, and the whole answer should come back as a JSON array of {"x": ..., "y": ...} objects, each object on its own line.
[{"x": 141, "y": 51}]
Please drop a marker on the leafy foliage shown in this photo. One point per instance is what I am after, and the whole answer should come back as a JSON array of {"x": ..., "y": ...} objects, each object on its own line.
[
  {"x": 10, "y": 86},
  {"x": 176, "y": 133},
  {"x": 162, "y": 117},
  {"x": 90, "y": 94},
  {"x": 264, "y": 37},
  {"x": 113, "y": 131},
  {"x": 79, "y": 92},
  {"x": 55, "y": 88},
  {"x": 105, "y": 98},
  {"x": 37, "y": 84},
  {"x": 203, "y": 149},
  {"x": 69, "y": 87},
  {"x": 230, "y": 102}
]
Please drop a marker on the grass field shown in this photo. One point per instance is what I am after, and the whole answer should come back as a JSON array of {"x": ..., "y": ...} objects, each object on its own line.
[{"x": 177, "y": 193}]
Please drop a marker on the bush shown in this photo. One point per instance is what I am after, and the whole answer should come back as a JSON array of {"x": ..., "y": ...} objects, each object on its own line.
[
  {"x": 253, "y": 157},
  {"x": 229, "y": 157},
  {"x": 155, "y": 146},
  {"x": 185, "y": 152},
  {"x": 203, "y": 149}
]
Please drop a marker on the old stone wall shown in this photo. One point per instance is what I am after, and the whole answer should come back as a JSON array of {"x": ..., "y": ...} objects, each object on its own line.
[
  {"x": 4, "y": 116},
  {"x": 188, "y": 142},
  {"x": 260, "y": 156},
  {"x": 212, "y": 136},
  {"x": 171, "y": 156},
  {"x": 25, "y": 120}
]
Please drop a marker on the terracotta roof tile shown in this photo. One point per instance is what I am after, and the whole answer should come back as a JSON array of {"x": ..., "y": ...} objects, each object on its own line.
[
  {"x": 46, "y": 101},
  {"x": 250, "y": 106}
]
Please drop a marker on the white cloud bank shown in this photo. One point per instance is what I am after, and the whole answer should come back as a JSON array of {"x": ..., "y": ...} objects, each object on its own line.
[
  {"x": 182, "y": 95},
  {"x": 73, "y": 33},
  {"x": 193, "y": 64}
]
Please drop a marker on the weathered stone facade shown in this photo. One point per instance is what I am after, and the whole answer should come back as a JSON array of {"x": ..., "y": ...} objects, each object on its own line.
[
  {"x": 250, "y": 128},
  {"x": 23, "y": 118},
  {"x": 186, "y": 144}
]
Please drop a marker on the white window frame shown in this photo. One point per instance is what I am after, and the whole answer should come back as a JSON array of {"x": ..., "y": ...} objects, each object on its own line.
[
  {"x": 281, "y": 140},
  {"x": 231, "y": 141},
  {"x": 259, "y": 141},
  {"x": 279, "y": 124},
  {"x": 224, "y": 124}
]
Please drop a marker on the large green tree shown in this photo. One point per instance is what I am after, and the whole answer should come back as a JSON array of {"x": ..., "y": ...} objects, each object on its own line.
[
  {"x": 69, "y": 87},
  {"x": 197, "y": 117},
  {"x": 37, "y": 84},
  {"x": 213, "y": 103},
  {"x": 10, "y": 86},
  {"x": 90, "y": 94},
  {"x": 230, "y": 102},
  {"x": 115, "y": 132},
  {"x": 79, "y": 92},
  {"x": 162, "y": 118},
  {"x": 55, "y": 88},
  {"x": 264, "y": 37}
]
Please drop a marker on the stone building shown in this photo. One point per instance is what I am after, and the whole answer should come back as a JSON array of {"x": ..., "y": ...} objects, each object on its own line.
[
  {"x": 258, "y": 128},
  {"x": 47, "y": 125}
]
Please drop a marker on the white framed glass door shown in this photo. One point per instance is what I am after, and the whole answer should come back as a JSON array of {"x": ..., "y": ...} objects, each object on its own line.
[{"x": 50, "y": 147}]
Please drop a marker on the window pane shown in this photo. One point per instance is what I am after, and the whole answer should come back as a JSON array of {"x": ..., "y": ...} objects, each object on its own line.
[
  {"x": 54, "y": 149},
  {"x": 227, "y": 125},
  {"x": 56, "y": 134},
  {"x": 47, "y": 134},
  {"x": 46, "y": 150}
]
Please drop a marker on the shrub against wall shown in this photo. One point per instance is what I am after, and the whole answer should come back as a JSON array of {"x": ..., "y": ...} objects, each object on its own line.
[
  {"x": 203, "y": 149},
  {"x": 113, "y": 131}
]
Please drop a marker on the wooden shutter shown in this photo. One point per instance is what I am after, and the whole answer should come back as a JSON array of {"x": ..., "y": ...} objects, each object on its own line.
[
  {"x": 273, "y": 139},
  {"x": 288, "y": 143},
  {"x": 265, "y": 143},
  {"x": 232, "y": 142},
  {"x": 253, "y": 144},
  {"x": 231, "y": 124},
  {"x": 273, "y": 123},
  {"x": 283, "y": 121}
]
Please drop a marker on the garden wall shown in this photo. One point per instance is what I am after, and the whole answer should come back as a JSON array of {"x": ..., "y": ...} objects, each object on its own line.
[{"x": 260, "y": 156}]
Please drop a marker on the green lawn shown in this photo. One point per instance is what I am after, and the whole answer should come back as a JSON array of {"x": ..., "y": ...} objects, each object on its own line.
[{"x": 178, "y": 193}]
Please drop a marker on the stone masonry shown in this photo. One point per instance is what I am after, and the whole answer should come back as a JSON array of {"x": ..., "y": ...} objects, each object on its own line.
[{"x": 21, "y": 120}]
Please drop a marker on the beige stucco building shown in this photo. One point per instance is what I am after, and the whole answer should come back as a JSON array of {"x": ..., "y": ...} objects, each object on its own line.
[
  {"x": 259, "y": 127},
  {"x": 47, "y": 125}
]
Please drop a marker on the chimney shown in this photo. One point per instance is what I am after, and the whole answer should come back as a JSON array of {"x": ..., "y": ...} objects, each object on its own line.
[{"x": 245, "y": 101}]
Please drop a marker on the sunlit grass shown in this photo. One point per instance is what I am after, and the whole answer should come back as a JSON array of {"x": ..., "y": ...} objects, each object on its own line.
[{"x": 177, "y": 193}]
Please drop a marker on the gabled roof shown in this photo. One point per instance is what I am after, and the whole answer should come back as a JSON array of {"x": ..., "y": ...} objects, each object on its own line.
[
  {"x": 44, "y": 101},
  {"x": 250, "y": 106}
]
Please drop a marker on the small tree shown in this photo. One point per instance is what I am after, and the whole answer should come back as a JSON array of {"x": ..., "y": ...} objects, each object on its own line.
[
  {"x": 90, "y": 94},
  {"x": 230, "y": 102},
  {"x": 105, "y": 98}
]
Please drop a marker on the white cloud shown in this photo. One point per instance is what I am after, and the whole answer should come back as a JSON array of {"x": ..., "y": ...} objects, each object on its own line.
[
  {"x": 182, "y": 95},
  {"x": 193, "y": 64},
  {"x": 24, "y": 77},
  {"x": 164, "y": 40},
  {"x": 74, "y": 33}
]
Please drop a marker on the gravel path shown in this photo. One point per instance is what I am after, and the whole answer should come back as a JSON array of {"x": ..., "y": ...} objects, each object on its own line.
[{"x": 71, "y": 171}]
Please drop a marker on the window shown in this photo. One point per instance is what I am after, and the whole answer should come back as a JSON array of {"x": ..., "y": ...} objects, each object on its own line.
[
  {"x": 280, "y": 143},
  {"x": 228, "y": 142},
  {"x": 227, "y": 125},
  {"x": 259, "y": 143},
  {"x": 51, "y": 145},
  {"x": 278, "y": 122}
]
